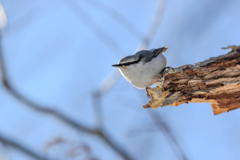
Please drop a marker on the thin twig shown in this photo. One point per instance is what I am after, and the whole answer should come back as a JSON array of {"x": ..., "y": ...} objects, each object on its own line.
[
  {"x": 96, "y": 29},
  {"x": 60, "y": 116},
  {"x": 154, "y": 25},
  {"x": 164, "y": 127},
  {"x": 8, "y": 142},
  {"x": 98, "y": 94},
  {"x": 98, "y": 115},
  {"x": 110, "y": 11}
]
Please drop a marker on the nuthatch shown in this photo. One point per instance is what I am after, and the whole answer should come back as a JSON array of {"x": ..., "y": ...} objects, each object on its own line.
[{"x": 141, "y": 68}]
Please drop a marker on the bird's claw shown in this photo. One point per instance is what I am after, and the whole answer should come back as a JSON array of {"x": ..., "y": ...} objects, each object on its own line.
[
  {"x": 165, "y": 70},
  {"x": 148, "y": 95}
]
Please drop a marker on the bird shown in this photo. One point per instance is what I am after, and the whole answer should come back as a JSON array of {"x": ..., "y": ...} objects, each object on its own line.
[{"x": 141, "y": 68}]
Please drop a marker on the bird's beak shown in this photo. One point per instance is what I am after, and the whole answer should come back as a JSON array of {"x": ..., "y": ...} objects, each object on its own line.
[
  {"x": 160, "y": 50},
  {"x": 165, "y": 48},
  {"x": 117, "y": 65}
]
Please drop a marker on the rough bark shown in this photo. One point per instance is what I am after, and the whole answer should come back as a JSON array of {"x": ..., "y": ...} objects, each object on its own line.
[{"x": 215, "y": 81}]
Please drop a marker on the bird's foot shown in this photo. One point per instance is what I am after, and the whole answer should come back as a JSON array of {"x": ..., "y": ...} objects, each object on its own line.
[
  {"x": 165, "y": 70},
  {"x": 148, "y": 95}
]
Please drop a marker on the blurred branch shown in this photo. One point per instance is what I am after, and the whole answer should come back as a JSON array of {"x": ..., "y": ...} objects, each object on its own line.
[
  {"x": 8, "y": 142},
  {"x": 164, "y": 127},
  {"x": 60, "y": 116},
  {"x": 214, "y": 81},
  {"x": 76, "y": 150},
  {"x": 154, "y": 25},
  {"x": 103, "y": 88},
  {"x": 110, "y": 11},
  {"x": 113, "y": 45},
  {"x": 97, "y": 29}
]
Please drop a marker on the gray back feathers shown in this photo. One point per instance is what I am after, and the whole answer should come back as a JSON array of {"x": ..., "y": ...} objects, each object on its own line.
[{"x": 144, "y": 55}]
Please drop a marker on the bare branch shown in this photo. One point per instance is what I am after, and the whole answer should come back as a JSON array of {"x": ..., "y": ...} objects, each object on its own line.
[
  {"x": 97, "y": 95},
  {"x": 60, "y": 116},
  {"x": 99, "y": 32},
  {"x": 6, "y": 141},
  {"x": 156, "y": 20},
  {"x": 131, "y": 27},
  {"x": 166, "y": 130},
  {"x": 214, "y": 81}
]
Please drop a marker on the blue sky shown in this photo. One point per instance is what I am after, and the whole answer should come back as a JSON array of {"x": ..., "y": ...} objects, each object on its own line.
[{"x": 54, "y": 57}]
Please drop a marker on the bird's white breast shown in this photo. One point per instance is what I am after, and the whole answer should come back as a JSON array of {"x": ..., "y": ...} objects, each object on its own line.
[{"x": 142, "y": 75}]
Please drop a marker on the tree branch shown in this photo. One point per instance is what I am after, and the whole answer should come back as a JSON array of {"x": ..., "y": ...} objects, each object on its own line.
[
  {"x": 101, "y": 133},
  {"x": 96, "y": 29},
  {"x": 215, "y": 81},
  {"x": 110, "y": 11},
  {"x": 19, "y": 147},
  {"x": 164, "y": 127}
]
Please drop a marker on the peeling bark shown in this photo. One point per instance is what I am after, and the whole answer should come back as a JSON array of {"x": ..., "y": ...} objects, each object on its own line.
[{"x": 215, "y": 81}]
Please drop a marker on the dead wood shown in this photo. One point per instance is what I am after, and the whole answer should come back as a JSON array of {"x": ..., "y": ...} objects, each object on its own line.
[{"x": 215, "y": 81}]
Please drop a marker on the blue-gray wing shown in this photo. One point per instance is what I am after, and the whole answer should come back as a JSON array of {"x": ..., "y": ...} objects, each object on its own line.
[{"x": 146, "y": 54}]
